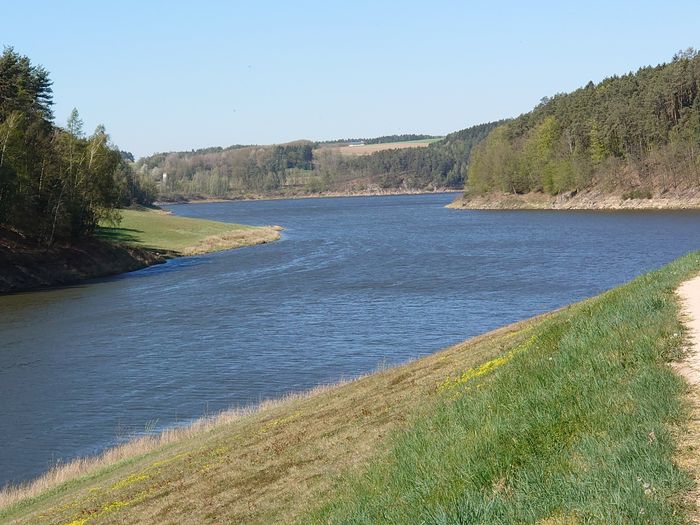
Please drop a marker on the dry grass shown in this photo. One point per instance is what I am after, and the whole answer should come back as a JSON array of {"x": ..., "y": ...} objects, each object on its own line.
[
  {"x": 269, "y": 464},
  {"x": 64, "y": 473},
  {"x": 688, "y": 449},
  {"x": 275, "y": 462},
  {"x": 234, "y": 239}
]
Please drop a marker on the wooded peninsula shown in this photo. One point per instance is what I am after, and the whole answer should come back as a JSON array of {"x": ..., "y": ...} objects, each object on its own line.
[{"x": 62, "y": 195}]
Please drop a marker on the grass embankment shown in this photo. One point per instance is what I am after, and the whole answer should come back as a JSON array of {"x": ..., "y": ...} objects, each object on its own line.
[
  {"x": 162, "y": 231},
  {"x": 572, "y": 417},
  {"x": 143, "y": 238},
  {"x": 26, "y": 264}
]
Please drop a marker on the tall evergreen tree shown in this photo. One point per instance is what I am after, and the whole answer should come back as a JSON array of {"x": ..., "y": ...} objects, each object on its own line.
[{"x": 54, "y": 183}]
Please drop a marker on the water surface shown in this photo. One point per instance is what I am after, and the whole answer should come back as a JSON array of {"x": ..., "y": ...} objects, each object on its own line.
[{"x": 353, "y": 284}]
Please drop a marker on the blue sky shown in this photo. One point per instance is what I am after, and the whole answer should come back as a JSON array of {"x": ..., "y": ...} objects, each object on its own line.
[{"x": 176, "y": 75}]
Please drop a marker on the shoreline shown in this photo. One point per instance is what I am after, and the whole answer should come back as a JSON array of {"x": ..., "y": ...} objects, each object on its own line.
[
  {"x": 264, "y": 462},
  {"x": 27, "y": 266},
  {"x": 325, "y": 195},
  {"x": 585, "y": 200},
  {"x": 16, "y": 495}
]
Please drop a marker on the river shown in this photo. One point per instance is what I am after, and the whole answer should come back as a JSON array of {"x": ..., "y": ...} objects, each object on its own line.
[{"x": 354, "y": 284}]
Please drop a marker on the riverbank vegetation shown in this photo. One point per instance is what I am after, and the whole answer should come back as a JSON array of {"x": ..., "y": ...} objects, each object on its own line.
[
  {"x": 572, "y": 417},
  {"x": 307, "y": 168},
  {"x": 636, "y": 136},
  {"x": 59, "y": 188},
  {"x": 56, "y": 183}
]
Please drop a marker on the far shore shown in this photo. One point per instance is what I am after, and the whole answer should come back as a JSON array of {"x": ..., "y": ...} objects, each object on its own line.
[{"x": 324, "y": 195}]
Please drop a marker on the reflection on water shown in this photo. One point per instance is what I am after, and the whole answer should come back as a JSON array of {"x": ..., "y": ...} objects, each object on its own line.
[{"x": 353, "y": 283}]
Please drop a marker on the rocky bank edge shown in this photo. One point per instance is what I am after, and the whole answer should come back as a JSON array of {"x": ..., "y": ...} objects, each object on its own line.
[{"x": 581, "y": 200}]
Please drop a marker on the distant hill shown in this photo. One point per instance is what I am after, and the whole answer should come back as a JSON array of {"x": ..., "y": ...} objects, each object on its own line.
[
  {"x": 305, "y": 167},
  {"x": 636, "y": 135}
]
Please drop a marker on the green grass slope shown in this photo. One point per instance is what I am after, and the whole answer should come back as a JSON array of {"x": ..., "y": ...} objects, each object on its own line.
[
  {"x": 572, "y": 417},
  {"x": 158, "y": 230},
  {"x": 574, "y": 425}
]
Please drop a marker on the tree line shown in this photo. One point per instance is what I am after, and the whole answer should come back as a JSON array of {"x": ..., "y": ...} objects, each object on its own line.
[
  {"x": 638, "y": 133},
  {"x": 56, "y": 183}
]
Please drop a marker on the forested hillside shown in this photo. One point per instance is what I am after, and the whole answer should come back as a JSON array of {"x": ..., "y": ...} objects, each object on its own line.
[
  {"x": 637, "y": 135},
  {"x": 305, "y": 167},
  {"x": 55, "y": 183}
]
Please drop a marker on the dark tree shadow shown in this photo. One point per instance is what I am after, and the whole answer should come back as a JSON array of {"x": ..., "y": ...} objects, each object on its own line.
[{"x": 121, "y": 235}]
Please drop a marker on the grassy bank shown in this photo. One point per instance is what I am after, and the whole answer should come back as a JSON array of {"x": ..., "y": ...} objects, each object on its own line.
[
  {"x": 572, "y": 417},
  {"x": 577, "y": 424},
  {"x": 162, "y": 231}
]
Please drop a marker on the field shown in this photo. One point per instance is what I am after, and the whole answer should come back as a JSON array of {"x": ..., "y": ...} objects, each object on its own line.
[
  {"x": 367, "y": 149},
  {"x": 162, "y": 231},
  {"x": 571, "y": 417}
]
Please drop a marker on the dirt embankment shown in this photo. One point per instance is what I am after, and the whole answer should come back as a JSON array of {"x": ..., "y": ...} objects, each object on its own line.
[
  {"x": 26, "y": 265},
  {"x": 581, "y": 200}
]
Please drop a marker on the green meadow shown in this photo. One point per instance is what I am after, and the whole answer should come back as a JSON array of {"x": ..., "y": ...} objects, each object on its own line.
[{"x": 158, "y": 230}]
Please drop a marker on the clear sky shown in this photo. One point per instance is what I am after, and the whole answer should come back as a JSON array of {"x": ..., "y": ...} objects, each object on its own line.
[{"x": 174, "y": 75}]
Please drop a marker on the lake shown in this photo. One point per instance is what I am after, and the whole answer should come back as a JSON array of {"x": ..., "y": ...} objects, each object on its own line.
[{"x": 354, "y": 284}]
